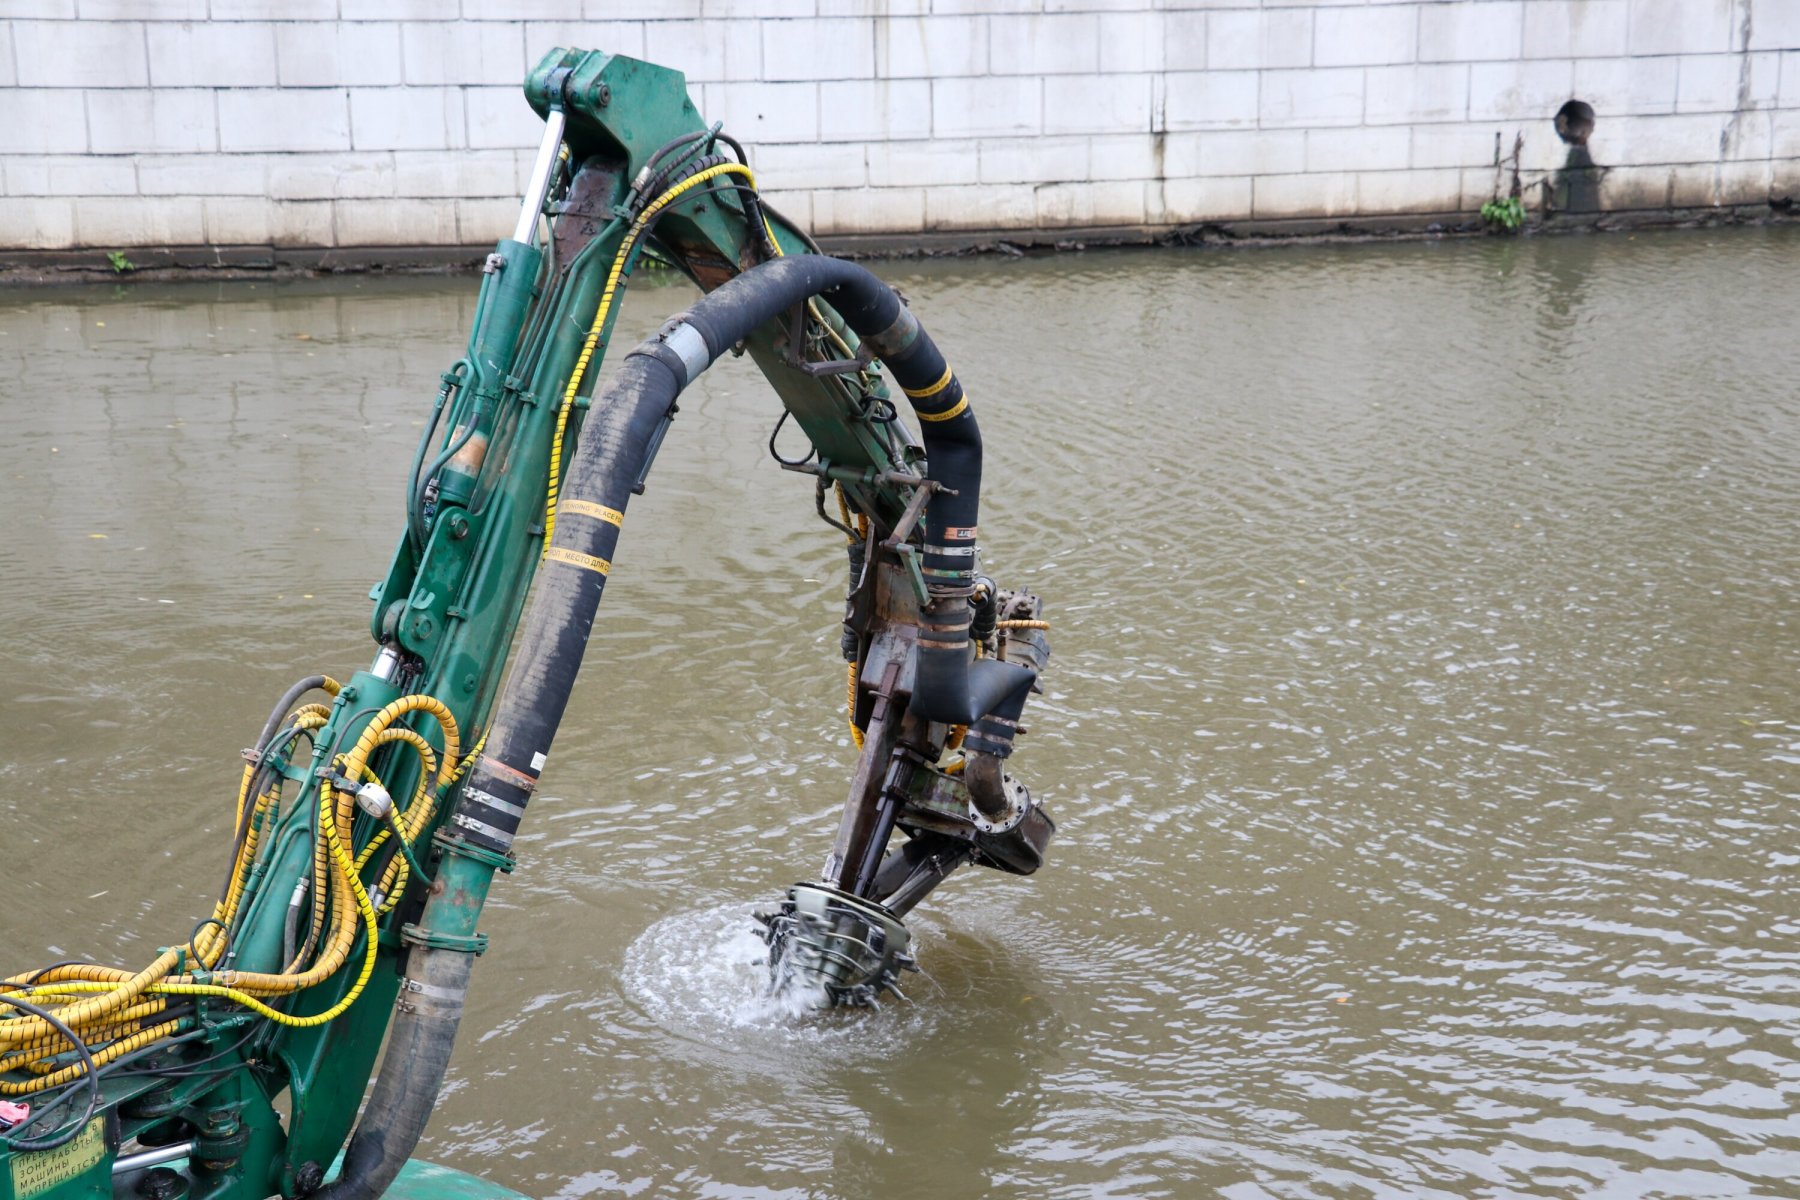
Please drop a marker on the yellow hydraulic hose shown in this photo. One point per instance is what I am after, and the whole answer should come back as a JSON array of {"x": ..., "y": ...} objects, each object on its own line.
[
  {"x": 102, "y": 1004},
  {"x": 626, "y": 245}
]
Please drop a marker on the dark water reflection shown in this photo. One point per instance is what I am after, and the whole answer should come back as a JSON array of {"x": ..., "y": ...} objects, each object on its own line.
[{"x": 1422, "y": 728}]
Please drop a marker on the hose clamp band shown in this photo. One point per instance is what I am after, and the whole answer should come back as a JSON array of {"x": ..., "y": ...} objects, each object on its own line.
[{"x": 687, "y": 342}]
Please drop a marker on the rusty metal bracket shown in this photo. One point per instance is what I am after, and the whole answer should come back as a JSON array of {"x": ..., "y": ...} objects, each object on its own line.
[{"x": 818, "y": 370}]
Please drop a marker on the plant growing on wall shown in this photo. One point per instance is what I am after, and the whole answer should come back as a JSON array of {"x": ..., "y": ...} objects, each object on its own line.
[{"x": 1507, "y": 214}]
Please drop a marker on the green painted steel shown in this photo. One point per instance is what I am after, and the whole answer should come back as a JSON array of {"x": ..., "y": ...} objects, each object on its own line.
[{"x": 448, "y": 605}]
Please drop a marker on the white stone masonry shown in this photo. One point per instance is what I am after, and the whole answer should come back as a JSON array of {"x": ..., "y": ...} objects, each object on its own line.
[{"x": 131, "y": 123}]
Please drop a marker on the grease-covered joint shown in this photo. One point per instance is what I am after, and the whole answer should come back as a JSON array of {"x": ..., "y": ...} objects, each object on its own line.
[{"x": 897, "y": 338}]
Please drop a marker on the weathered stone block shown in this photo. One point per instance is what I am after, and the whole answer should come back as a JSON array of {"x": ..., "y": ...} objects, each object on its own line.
[
  {"x": 938, "y": 48},
  {"x": 54, "y": 121},
  {"x": 1775, "y": 27},
  {"x": 815, "y": 166},
  {"x": 1645, "y": 141},
  {"x": 1574, "y": 28},
  {"x": 1097, "y": 104},
  {"x": 450, "y": 53},
  {"x": 1743, "y": 182},
  {"x": 280, "y": 10},
  {"x": 1245, "y": 40},
  {"x": 1639, "y": 188},
  {"x": 621, "y": 37},
  {"x": 1520, "y": 91},
  {"x": 1417, "y": 94},
  {"x": 166, "y": 119},
  {"x": 69, "y": 175},
  {"x": 1042, "y": 44},
  {"x": 1218, "y": 198},
  {"x": 516, "y": 10},
  {"x": 334, "y": 54},
  {"x": 203, "y": 174},
  {"x": 235, "y": 221},
  {"x": 859, "y": 110},
  {"x": 499, "y": 118},
  {"x": 1033, "y": 160},
  {"x": 133, "y": 10},
  {"x": 795, "y": 206},
  {"x": 1008, "y": 104},
  {"x": 917, "y": 164},
  {"x": 1131, "y": 42},
  {"x": 1784, "y": 129},
  {"x": 1312, "y": 98},
  {"x": 1090, "y": 203},
  {"x": 632, "y": 10},
  {"x": 1387, "y": 149},
  {"x": 216, "y": 54},
  {"x": 394, "y": 223},
  {"x": 1747, "y": 136},
  {"x": 1683, "y": 27},
  {"x": 105, "y": 222},
  {"x": 409, "y": 118},
  {"x": 1210, "y": 99},
  {"x": 1277, "y": 196},
  {"x": 301, "y": 223},
  {"x": 756, "y": 8},
  {"x": 985, "y": 6},
  {"x": 817, "y": 48},
  {"x": 1438, "y": 191},
  {"x": 1471, "y": 32},
  {"x": 360, "y": 176},
  {"x": 1344, "y": 37},
  {"x": 277, "y": 119},
  {"x": 38, "y": 222},
  {"x": 869, "y": 210},
  {"x": 701, "y": 54},
  {"x": 482, "y": 222},
  {"x": 1139, "y": 156},
  {"x": 1458, "y": 146},
  {"x": 395, "y": 10},
  {"x": 1008, "y": 206},
  {"x": 1253, "y": 152},
  {"x": 1727, "y": 82},
  {"x": 874, "y": 8},
  {"x": 85, "y": 54},
  {"x": 1618, "y": 87},
  {"x": 474, "y": 174},
  {"x": 1184, "y": 41},
  {"x": 765, "y": 112}
]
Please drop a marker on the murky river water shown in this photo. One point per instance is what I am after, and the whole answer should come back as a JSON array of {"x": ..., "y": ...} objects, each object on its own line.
[{"x": 1423, "y": 731}]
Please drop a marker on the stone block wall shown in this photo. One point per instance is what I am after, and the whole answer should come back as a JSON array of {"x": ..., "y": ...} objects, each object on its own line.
[{"x": 319, "y": 123}]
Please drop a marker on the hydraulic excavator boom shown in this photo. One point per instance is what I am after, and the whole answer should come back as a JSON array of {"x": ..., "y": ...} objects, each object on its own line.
[{"x": 372, "y": 813}]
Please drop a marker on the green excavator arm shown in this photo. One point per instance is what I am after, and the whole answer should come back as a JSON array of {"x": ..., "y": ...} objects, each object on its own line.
[{"x": 373, "y": 812}]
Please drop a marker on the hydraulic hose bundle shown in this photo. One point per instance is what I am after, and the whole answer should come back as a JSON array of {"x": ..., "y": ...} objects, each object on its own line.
[{"x": 71, "y": 1020}]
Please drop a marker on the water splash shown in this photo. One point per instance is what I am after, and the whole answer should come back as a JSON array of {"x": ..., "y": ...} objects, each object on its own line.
[{"x": 703, "y": 976}]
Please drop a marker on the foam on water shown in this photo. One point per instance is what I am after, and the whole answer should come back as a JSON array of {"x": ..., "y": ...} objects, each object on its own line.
[{"x": 703, "y": 976}]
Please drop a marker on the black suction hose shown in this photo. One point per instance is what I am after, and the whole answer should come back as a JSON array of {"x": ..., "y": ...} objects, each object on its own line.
[
  {"x": 617, "y": 442},
  {"x": 615, "y": 447}
]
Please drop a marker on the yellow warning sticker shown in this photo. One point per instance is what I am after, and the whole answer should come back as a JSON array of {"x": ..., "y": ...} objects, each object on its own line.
[
  {"x": 38, "y": 1172},
  {"x": 575, "y": 558},
  {"x": 587, "y": 508}
]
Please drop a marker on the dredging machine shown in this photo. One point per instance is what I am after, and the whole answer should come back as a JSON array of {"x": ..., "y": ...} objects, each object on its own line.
[{"x": 371, "y": 814}]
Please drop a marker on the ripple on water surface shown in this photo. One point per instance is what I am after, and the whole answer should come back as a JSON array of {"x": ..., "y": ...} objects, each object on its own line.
[{"x": 1421, "y": 731}]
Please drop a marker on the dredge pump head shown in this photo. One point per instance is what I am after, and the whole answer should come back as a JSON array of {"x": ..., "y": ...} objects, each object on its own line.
[{"x": 840, "y": 948}]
